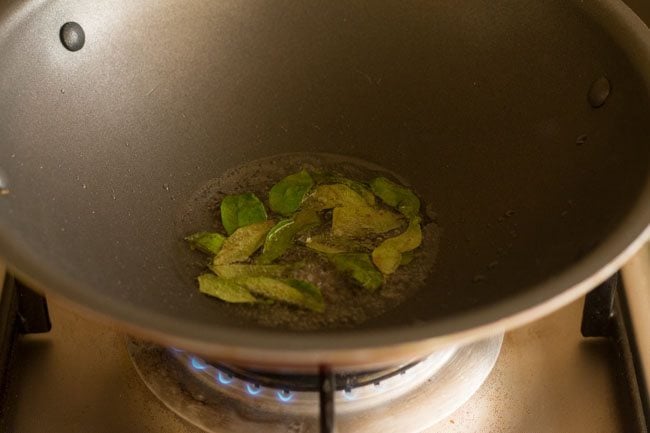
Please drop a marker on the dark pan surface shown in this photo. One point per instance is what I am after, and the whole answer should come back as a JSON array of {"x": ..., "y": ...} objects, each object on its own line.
[{"x": 482, "y": 108}]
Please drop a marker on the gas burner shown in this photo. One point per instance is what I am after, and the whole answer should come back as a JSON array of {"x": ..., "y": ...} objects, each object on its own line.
[
  {"x": 309, "y": 382},
  {"x": 298, "y": 393},
  {"x": 221, "y": 398}
]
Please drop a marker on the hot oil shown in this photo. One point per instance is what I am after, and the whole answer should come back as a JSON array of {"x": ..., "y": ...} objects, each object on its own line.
[{"x": 347, "y": 305}]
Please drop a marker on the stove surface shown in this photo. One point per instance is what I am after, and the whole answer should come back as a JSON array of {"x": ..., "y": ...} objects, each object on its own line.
[{"x": 548, "y": 378}]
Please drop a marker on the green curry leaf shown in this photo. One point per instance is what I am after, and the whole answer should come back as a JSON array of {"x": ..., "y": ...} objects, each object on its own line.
[
  {"x": 208, "y": 242},
  {"x": 226, "y": 290},
  {"x": 244, "y": 270},
  {"x": 331, "y": 196},
  {"x": 313, "y": 298},
  {"x": 403, "y": 199},
  {"x": 283, "y": 290},
  {"x": 388, "y": 255},
  {"x": 359, "y": 221},
  {"x": 243, "y": 243},
  {"x": 328, "y": 244},
  {"x": 360, "y": 268},
  {"x": 278, "y": 240},
  {"x": 241, "y": 210},
  {"x": 407, "y": 257},
  {"x": 323, "y": 245},
  {"x": 280, "y": 237},
  {"x": 358, "y": 187},
  {"x": 286, "y": 195}
]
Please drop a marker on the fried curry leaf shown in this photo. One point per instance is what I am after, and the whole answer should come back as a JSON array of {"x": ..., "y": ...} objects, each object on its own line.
[
  {"x": 360, "y": 268},
  {"x": 283, "y": 290},
  {"x": 359, "y": 221},
  {"x": 208, "y": 242},
  {"x": 226, "y": 290},
  {"x": 286, "y": 195},
  {"x": 244, "y": 270},
  {"x": 313, "y": 296},
  {"x": 407, "y": 257},
  {"x": 241, "y": 210},
  {"x": 243, "y": 243},
  {"x": 403, "y": 199},
  {"x": 327, "y": 246},
  {"x": 388, "y": 255},
  {"x": 358, "y": 187},
  {"x": 278, "y": 240},
  {"x": 280, "y": 237},
  {"x": 331, "y": 196}
]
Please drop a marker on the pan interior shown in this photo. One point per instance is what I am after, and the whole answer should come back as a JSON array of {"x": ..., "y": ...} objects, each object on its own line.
[
  {"x": 482, "y": 108},
  {"x": 347, "y": 304}
]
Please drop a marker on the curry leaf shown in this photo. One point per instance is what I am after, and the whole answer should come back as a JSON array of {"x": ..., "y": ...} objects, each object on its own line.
[
  {"x": 328, "y": 244},
  {"x": 243, "y": 270},
  {"x": 286, "y": 195},
  {"x": 226, "y": 290},
  {"x": 241, "y": 210},
  {"x": 331, "y": 196},
  {"x": 360, "y": 268},
  {"x": 280, "y": 237},
  {"x": 322, "y": 245},
  {"x": 396, "y": 196},
  {"x": 207, "y": 242},
  {"x": 312, "y": 294},
  {"x": 388, "y": 255},
  {"x": 243, "y": 243},
  {"x": 359, "y": 221},
  {"x": 407, "y": 257},
  {"x": 278, "y": 240},
  {"x": 281, "y": 290},
  {"x": 358, "y": 187},
  {"x": 362, "y": 190}
]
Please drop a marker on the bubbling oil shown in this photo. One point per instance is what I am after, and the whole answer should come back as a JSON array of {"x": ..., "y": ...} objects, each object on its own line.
[{"x": 347, "y": 305}]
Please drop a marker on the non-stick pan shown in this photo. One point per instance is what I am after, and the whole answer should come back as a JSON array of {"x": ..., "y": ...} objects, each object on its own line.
[{"x": 525, "y": 124}]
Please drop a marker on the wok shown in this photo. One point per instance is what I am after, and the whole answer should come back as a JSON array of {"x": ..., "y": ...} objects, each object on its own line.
[{"x": 524, "y": 123}]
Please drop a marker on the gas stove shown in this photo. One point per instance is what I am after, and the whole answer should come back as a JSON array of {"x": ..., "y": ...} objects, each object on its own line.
[
  {"x": 223, "y": 398},
  {"x": 85, "y": 376}
]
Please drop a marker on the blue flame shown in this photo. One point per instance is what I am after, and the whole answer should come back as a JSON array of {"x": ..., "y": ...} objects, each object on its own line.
[
  {"x": 348, "y": 394},
  {"x": 253, "y": 389},
  {"x": 223, "y": 378},
  {"x": 198, "y": 364},
  {"x": 284, "y": 396}
]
